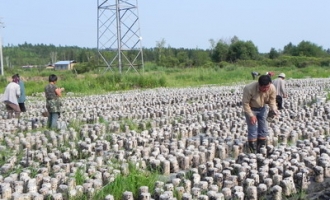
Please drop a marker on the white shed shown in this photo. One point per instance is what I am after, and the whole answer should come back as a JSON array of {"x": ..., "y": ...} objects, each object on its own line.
[{"x": 64, "y": 65}]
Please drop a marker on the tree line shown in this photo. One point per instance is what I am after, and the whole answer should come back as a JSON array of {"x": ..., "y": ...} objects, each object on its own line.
[{"x": 220, "y": 54}]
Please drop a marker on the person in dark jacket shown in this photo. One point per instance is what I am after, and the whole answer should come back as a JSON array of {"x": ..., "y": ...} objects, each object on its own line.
[
  {"x": 254, "y": 75},
  {"x": 22, "y": 97}
]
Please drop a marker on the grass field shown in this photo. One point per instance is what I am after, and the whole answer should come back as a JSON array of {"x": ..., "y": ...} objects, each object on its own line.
[{"x": 106, "y": 81}]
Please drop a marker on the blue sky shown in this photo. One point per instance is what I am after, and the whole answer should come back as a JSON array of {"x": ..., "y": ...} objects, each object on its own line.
[{"x": 181, "y": 23}]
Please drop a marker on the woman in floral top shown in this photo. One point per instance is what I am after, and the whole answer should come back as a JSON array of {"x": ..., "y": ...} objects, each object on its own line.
[{"x": 53, "y": 102}]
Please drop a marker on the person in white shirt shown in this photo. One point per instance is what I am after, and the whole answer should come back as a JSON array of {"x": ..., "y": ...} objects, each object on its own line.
[
  {"x": 281, "y": 92},
  {"x": 10, "y": 98}
]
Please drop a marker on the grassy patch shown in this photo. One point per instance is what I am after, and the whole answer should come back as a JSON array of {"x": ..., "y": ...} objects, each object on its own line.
[
  {"x": 79, "y": 176},
  {"x": 155, "y": 76},
  {"x": 128, "y": 123},
  {"x": 130, "y": 182}
]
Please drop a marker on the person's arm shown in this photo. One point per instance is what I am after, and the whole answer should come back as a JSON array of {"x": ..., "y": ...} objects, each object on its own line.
[
  {"x": 59, "y": 91},
  {"x": 18, "y": 91},
  {"x": 272, "y": 98},
  {"x": 246, "y": 106},
  {"x": 246, "y": 102},
  {"x": 22, "y": 86}
]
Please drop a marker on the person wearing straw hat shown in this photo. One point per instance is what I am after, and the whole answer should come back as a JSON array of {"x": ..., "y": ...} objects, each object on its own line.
[{"x": 281, "y": 92}]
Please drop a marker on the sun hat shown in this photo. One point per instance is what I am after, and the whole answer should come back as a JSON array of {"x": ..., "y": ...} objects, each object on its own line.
[{"x": 281, "y": 75}]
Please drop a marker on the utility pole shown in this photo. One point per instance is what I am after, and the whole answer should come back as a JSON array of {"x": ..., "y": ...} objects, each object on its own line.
[{"x": 1, "y": 56}]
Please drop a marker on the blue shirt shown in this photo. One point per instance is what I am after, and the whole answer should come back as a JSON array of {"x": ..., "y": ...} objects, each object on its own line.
[{"x": 22, "y": 97}]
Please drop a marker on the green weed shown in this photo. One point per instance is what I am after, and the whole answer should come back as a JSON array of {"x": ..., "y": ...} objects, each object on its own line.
[
  {"x": 75, "y": 124},
  {"x": 33, "y": 171},
  {"x": 79, "y": 176},
  {"x": 5, "y": 154},
  {"x": 131, "y": 182},
  {"x": 128, "y": 123},
  {"x": 300, "y": 195}
]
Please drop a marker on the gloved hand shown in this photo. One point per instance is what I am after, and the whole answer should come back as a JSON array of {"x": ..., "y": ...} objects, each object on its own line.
[{"x": 273, "y": 114}]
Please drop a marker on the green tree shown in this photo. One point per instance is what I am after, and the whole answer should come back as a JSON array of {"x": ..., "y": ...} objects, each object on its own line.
[
  {"x": 234, "y": 39},
  {"x": 212, "y": 43},
  {"x": 289, "y": 49},
  {"x": 160, "y": 45},
  {"x": 183, "y": 58},
  {"x": 306, "y": 48},
  {"x": 241, "y": 50},
  {"x": 273, "y": 53},
  {"x": 199, "y": 57},
  {"x": 220, "y": 52}
]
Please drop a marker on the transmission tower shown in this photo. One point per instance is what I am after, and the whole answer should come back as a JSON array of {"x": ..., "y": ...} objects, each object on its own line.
[
  {"x": 118, "y": 35},
  {"x": 1, "y": 55}
]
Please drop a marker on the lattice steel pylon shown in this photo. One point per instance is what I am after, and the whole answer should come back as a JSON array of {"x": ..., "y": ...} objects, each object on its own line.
[{"x": 118, "y": 35}]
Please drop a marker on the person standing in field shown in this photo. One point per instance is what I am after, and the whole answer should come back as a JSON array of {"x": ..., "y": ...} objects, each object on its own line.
[
  {"x": 10, "y": 98},
  {"x": 256, "y": 96},
  {"x": 281, "y": 92},
  {"x": 22, "y": 97},
  {"x": 53, "y": 101}
]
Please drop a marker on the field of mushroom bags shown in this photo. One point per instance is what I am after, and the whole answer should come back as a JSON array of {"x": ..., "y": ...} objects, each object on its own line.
[{"x": 194, "y": 139}]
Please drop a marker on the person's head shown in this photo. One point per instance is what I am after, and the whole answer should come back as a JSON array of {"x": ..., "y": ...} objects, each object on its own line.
[
  {"x": 270, "y": 74},
  {"x": 52, "y": 78},
  {"x": 264, "y": 83},
  {"x": 281, "y": 75},
  {"x": 15, "y": 78}
]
